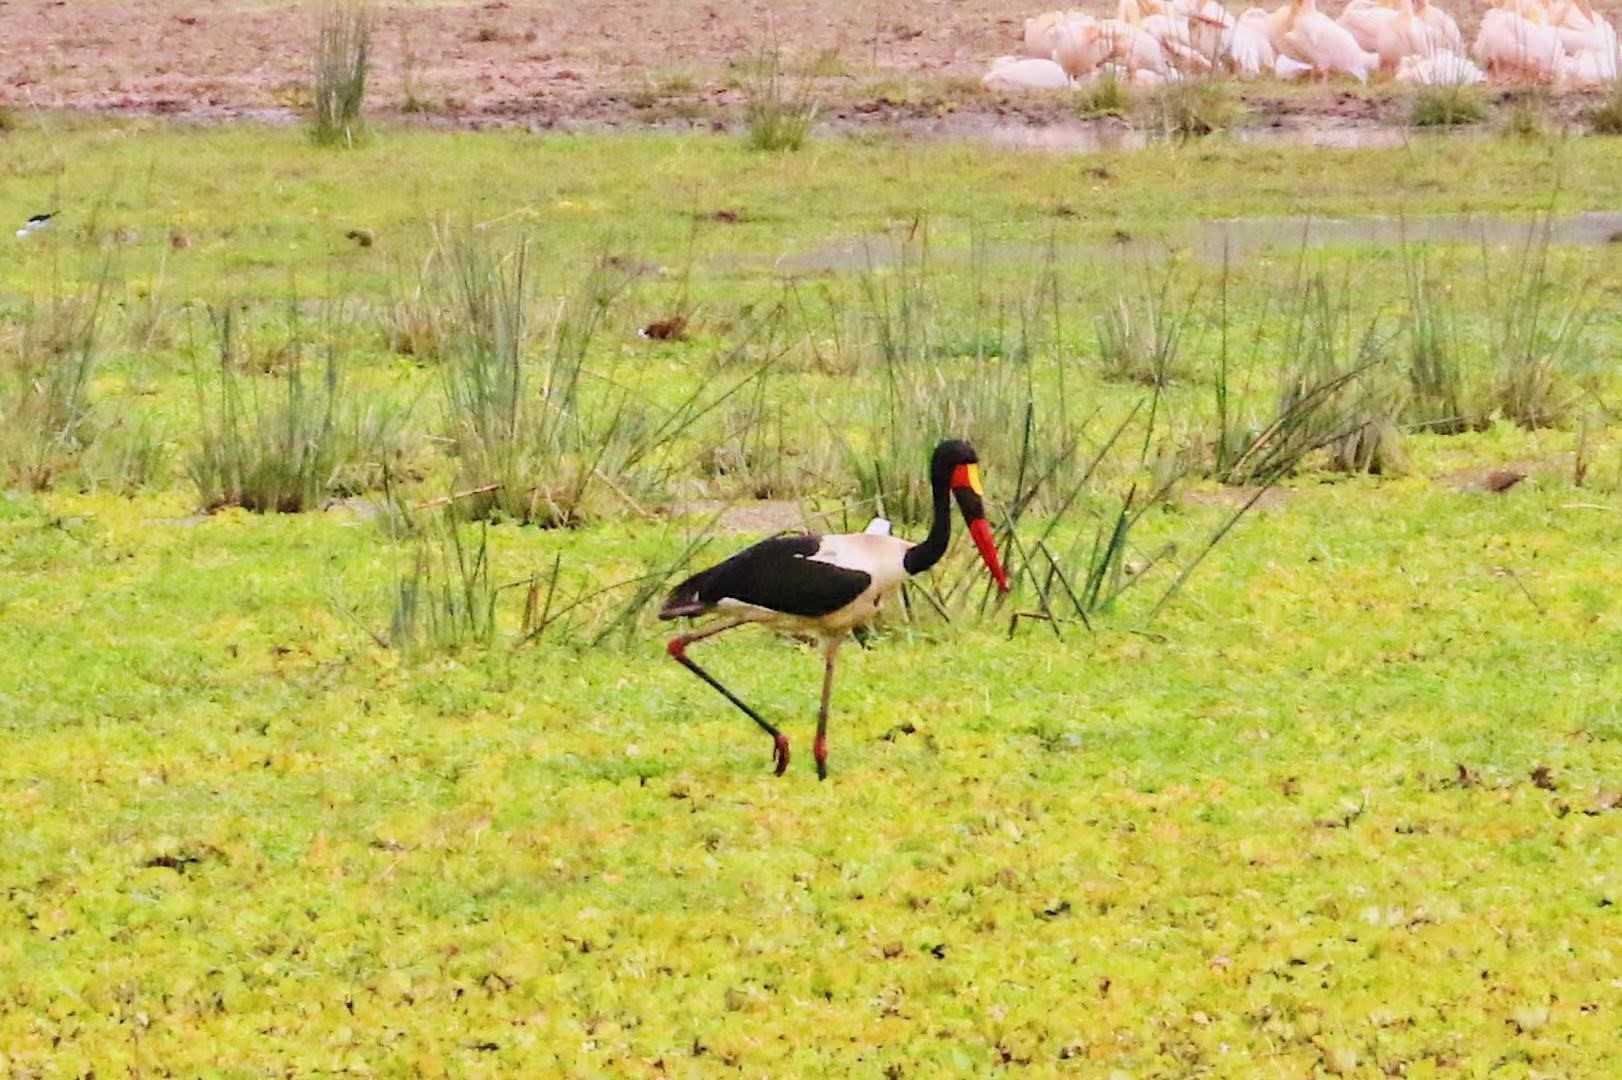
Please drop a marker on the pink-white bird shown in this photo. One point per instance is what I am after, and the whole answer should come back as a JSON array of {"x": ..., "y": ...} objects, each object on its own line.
[
  {"x": 1516, "y": 40},
  {"x": 1316, "y": 39},
  {"x": 1009, "y": 73},
  {"x": 824, "y": 587}
]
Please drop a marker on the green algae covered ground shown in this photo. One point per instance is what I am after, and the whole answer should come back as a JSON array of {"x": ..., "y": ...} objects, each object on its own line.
[{"x": 1350, "y": 805}]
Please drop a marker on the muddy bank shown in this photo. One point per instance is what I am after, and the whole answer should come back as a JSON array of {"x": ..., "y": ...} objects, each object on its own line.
[{"x": 550, "y": 65}]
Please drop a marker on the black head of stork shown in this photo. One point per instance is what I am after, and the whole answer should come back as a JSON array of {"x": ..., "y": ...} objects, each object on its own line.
[
  {"x": 954, "y": 472},
  {"x": 826, "y": 586}
]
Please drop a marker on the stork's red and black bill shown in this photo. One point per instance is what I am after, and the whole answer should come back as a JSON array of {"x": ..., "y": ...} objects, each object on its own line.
[{"x": 970, "y": 500}]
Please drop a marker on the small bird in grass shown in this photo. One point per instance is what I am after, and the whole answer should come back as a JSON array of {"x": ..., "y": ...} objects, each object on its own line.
[
  {"x": 825, "y": 587},
  {"x": 37, "y": 223},
  {"x": 671, "y": 329}
]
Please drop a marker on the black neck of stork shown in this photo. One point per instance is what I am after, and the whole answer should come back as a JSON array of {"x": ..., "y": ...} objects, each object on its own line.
[{"x": 921, "y": 557}]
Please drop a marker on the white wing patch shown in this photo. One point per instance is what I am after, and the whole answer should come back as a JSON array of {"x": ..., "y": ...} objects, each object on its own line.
[{"x": 877, "y": 556}]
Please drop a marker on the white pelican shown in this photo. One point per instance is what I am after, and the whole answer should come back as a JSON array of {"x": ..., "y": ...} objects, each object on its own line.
[
  {"x": 1391, "y": 32},
  {"x": 1080, "y": 47},
  {"x": 1246, "y": 49},
  {"x": 1443, "y": 67},
  {"x": 1441, "y": 24},
  {"x": 1042, "y": 32},
  {"x": 1133, "y": 47},
  {"x": 1587, "y": 68},
  {"x": 1314, "y": 38},
  {"x": 1515, "y": 39},
  {"x": 1025, "y": 73}
]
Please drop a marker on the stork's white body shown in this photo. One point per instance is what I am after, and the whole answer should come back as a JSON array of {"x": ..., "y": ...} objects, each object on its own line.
[{"x": 879, "y": 557}]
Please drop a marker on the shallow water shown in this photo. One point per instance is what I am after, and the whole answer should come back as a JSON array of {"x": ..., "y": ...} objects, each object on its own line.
[
  {"x": 1241, "y": 238},
  {"x": 1102, "y": 136}
]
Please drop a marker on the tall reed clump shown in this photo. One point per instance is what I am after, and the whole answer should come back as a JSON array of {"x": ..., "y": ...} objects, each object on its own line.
[
  {"x": 414, "y": 322},
  {"x": 1105, "y": 96},
  {"x": 443, "y": 598},
  {"x": 343, "y": 53},
  {"x": 539, "y": 437},
  {"x": 1606, "y": 117},
  {"x": 1333, "y": 394},
  {"x": 1447, "y": 105},
  {"x": 1140, "y": 337},
  {"x": 936, "y": 379},
  {"x": 922, "y": 403},
  {"x": 47, "y": 422},
  {"x": 1081, "y": 534},
  {"x": 282, "y": 443},
  {"x": 1537, "y": 336},
  {"x": 1529, "y": 114},
  {"x": 52, "y": 432},
  {"x": 514, "y": 425},
  {"x": 1442, "y": 398},
  {"x": 1193, "y": 107},
  {"x": 777, "y": 116},
  {"x": 759, "y": 453}
]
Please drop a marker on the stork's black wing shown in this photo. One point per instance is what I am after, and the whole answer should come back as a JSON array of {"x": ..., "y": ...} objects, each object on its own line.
[{"x": 777, "y": 574}]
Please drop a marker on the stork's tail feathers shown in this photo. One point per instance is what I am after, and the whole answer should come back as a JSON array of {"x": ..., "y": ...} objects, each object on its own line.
[{"x": 684, "y": 602}]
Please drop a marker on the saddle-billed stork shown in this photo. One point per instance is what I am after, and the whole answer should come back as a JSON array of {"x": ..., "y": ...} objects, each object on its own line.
[{"x": 826, "y": 586}]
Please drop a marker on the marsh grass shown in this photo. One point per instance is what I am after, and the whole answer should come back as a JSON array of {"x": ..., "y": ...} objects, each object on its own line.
[
  {"x": 1441, "y": 398},
  {"x": 1193, "y": 107},
  {"x": 1606, "y": 117},
  {"x": 1333, "y": 393},
  {"x": 547, "y": 439},
  {"x": 1085, "y": 579},
  {"x": 1140, "y": 335},
  {"x": 1072, "y": 526},
  {"x": 779, "y": 111},
  {"x": 1537, "y": 334},
  {"x": 1528, "y": 117},
  {"x": 149, "y": 317},
  {"x": 758, "y": 454},
  {"x": 412, "y": 325},
  {"x": 523, "y": 430},
  {"x": 919, "y": 405},
  {"x": 46, "y": 416},
  {"x": 1106, "y": 96},
  {"x": 1447, "y": 105},
  {"x": 1359, "y": 420},
  {"x": 132, "y": 452},
  {"x": 1316, "y": 744},
  {"x": 499, "y": 438},
  {"x": 341, "y": 63},
  {"x": 444, "y": 598},
  {"x": 937, "y": 376},
  {"x": 1076, "y": 542},
  {"x": 283, "y": 444}
]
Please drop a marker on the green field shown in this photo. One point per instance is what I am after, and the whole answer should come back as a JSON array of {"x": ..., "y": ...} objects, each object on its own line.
[{"x": 403, "y": 783}]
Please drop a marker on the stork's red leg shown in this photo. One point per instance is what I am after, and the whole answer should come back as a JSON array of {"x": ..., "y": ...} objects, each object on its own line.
[
  {"x": 678, "y": 651},
  {"x": 820, "y": 747}
]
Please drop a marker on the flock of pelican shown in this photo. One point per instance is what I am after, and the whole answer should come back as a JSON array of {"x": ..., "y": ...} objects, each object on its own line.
[{"x": 1149, "y": 42}]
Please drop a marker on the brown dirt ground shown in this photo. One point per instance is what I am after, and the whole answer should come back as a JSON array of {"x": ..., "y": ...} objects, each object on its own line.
[{"x": 559, "y": 64}]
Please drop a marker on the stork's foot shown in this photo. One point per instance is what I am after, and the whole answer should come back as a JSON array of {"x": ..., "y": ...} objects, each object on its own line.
[
  {"x": 780, "y": 753},
  {"x": 820, "y": 749}
]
